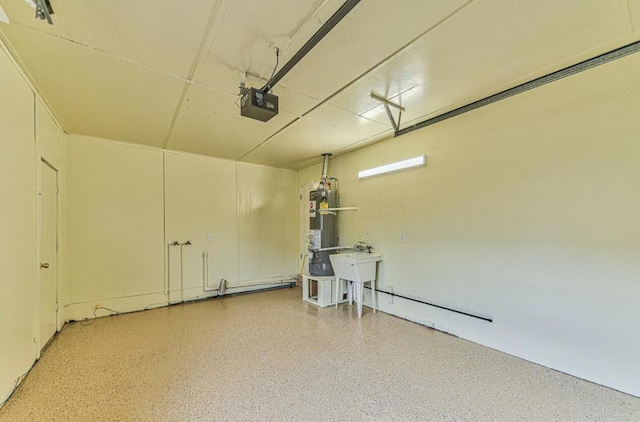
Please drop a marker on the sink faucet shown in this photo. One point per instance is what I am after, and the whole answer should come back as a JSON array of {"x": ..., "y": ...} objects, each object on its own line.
[{"x": 362, "y": 246}]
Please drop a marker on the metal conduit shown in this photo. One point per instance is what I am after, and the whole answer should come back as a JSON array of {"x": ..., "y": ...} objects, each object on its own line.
[{"x": 434, "y": 305}]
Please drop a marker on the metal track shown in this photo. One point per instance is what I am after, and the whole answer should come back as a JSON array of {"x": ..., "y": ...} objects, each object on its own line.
[
  {"x": 315, "y": 39},
  {"x": 536, "y": 83}
]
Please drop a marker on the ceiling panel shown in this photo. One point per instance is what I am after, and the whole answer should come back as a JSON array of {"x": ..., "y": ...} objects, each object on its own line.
[
  {"x": 634, "y": 10},
  {"x": 292, "y": 101},
  {"x": 371, "y": 32},
  {"x": 249, "y": 33},
  {"x": 96, "y": 94},
  {"x": 343, "y": 119},
  {"x": 315, "y": 159},
  {"x": 210, "y": 124},
  {"x": 502, "y": 42},
  {"x": 404, "y": 80},
  {"x": 71, "y": 15},
  {"x": 304, "y": 139},
  {"x": 164, "y": 34}
]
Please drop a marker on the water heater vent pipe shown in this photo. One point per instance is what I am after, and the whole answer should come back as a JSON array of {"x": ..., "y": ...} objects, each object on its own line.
[
  {"x": 325, "y": 164},
  {"x": 325, "y": 169}
]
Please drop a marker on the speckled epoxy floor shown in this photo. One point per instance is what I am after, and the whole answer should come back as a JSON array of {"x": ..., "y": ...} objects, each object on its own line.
[{"x": 270, "y": 356}]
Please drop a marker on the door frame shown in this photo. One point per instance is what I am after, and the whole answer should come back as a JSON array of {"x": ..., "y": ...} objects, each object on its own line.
[{"x": 39, "y": 345}]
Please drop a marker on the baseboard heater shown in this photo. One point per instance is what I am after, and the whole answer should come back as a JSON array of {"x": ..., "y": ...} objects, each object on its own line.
[{"x": 433, "y": 304}]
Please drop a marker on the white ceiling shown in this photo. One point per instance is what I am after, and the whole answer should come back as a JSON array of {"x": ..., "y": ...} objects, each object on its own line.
[{"x": 166, "y": 73}]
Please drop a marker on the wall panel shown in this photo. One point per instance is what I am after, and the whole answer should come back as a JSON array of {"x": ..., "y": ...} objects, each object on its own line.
[
  {"x": 17, "y": 225},
  {"x": 116, "y": 214},
  {"x": 201, "y": 208},
  {"x": 290, "y": 222},
  {"x": 261, "y": 222}
]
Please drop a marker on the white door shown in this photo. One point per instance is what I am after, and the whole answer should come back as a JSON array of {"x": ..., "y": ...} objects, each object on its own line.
[{"x": 48, "y": 252}]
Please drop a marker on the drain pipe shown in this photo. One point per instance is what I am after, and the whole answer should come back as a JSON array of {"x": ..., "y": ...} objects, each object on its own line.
[
  {"x": 222, "y": 289},
  {"x": 278, "y": 280},
  {"x": 224, "y": 284}
]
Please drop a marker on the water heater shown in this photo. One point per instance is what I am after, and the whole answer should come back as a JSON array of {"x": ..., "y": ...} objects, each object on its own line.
[{"x": 322, "y": 224}]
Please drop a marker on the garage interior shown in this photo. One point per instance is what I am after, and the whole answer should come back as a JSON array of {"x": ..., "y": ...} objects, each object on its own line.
[{"x": 155, "y": 231}]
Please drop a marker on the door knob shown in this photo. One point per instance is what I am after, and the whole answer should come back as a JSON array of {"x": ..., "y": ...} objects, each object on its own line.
[{"x": 44, "y": 265}]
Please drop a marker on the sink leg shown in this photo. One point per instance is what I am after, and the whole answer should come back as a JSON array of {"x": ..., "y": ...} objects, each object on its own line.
[
  {"x": 359, "y": 292},
  {"x": 338, "y": 290},
  {"x": 350, "y": 291},
  {"x": 374, "y": 299}
]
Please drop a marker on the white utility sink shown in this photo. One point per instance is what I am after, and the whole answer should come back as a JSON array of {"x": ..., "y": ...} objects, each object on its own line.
[
  {"x": 359, "y": 268},
  {"x": 355, "y": 266}
]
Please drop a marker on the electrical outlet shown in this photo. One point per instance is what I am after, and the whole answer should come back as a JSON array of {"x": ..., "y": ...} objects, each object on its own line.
[
  {"x": 210, "y": 237},
  {"x": 403, "y": 237}
]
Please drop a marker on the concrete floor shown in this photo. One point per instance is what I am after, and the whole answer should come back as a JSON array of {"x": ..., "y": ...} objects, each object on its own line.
[{"x": 270, "y": 356}]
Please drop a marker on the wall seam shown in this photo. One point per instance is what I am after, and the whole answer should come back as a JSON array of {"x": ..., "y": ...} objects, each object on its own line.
[
  {"x": 36, "y": 243},
  {"x": 165, "y": 252},
  {"x": 238, "y": 198}
]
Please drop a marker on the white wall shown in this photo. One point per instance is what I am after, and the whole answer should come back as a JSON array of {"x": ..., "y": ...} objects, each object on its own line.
[
  {"x": 27, "y": 134},
  {"x": 267, "y": 222},
  {"x": 17, "y": 225},
  {"x": 127, "y": 203},
  {"x": 527, "y": 212},
  {"x": 116, "y": 226},
  {"x": 200, "y": 208}
]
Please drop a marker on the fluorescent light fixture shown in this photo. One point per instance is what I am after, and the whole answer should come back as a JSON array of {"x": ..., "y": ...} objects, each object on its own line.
[{"x": 400, "y": 165}]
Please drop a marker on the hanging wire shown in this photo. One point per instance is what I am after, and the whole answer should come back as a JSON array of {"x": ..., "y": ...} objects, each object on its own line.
[
  {"x": 86, "y": 322},
  {"x": 15, "y": 385},
  {"x": 243, "y": 85},
  {"x": 268, "y": 85}
]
